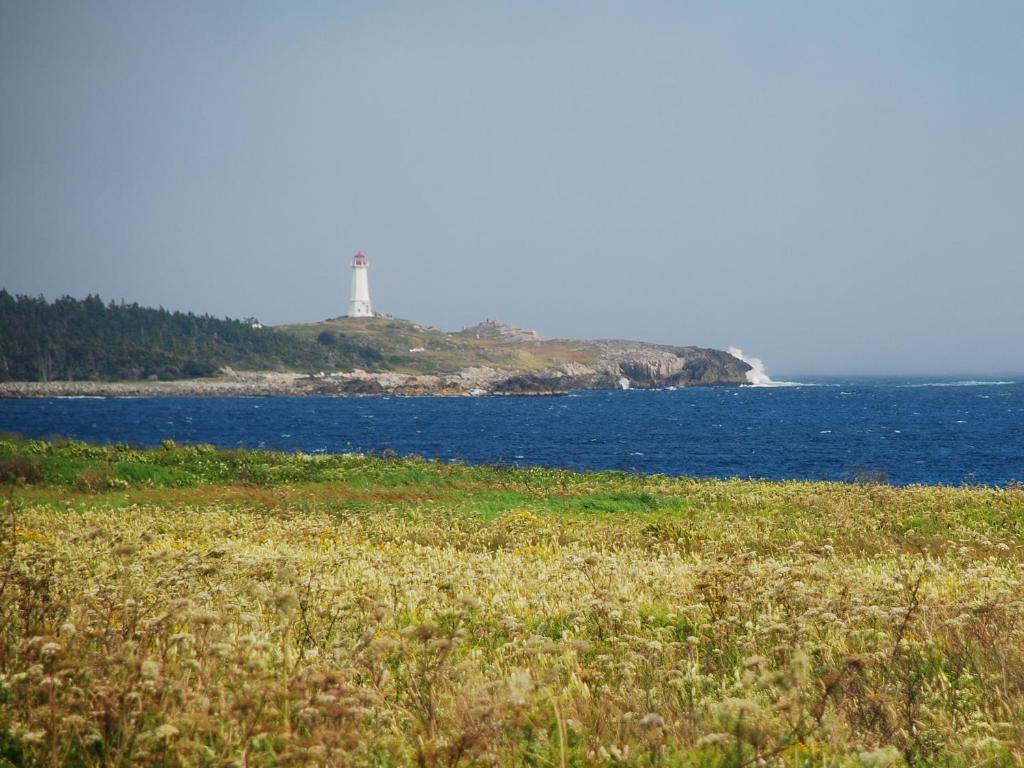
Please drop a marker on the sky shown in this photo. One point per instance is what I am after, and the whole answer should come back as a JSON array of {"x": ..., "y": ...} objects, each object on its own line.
[{"x": 834, "y": 187}]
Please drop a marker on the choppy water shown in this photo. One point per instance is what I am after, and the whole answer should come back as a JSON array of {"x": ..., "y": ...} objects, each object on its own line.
[{"x": 910, "y": 431}]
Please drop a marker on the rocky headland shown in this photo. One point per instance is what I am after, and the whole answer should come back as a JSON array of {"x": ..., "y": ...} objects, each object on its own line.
[{"x": 408, "y": 359}]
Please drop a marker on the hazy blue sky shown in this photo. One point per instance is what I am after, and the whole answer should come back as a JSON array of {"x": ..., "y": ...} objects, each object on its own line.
[{"x": 833, "y": 187}]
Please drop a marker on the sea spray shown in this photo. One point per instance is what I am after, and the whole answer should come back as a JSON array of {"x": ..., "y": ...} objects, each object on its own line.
[{"x": 757, "y": 375}]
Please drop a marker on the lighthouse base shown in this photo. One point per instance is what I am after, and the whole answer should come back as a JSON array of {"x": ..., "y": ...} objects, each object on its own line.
[{"x": 359, "y": 309}]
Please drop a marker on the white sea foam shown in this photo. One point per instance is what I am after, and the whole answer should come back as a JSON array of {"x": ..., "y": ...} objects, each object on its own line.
[
  {"x": 757, "y": 376},
  {"x": 966, "y": 383}
]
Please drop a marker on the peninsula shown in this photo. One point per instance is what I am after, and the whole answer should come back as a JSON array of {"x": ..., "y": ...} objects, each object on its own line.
[{"x": 87, "y": 347}]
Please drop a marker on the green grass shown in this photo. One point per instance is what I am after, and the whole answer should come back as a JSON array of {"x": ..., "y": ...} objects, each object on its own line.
[
  {"x": 443, "y": 352},
  {"x": 685, "y": 511}
]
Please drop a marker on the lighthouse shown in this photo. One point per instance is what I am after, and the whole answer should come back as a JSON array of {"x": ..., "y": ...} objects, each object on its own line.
[{"x": 359, "y": 301}]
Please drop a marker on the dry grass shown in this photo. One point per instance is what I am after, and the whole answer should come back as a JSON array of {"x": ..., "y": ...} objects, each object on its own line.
[{"x": 721, "y": 624}]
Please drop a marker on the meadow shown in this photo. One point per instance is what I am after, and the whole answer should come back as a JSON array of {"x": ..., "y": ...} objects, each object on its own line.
[{"x": 189, "y": 606}]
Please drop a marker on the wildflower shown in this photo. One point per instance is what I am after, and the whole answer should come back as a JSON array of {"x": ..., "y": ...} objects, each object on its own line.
[
  {"x": 204, "y": 617},
  {"x": 422, "y": 632},
  {"x": 286, "y": 573},
  {"x": 880, "y": 758},
  {"x": 440, "y": 644},
  {"x": 286, "y": 601},
  {"x": 165, "y": 732},
  {"x": 716, "y": 740},
  {"x": 519, "y": 686},
  {"x": 651, "y": 721},
  {"x": 221, "y": 650},
  {"x": 92, "y": 738},
  {"x": 744, "y": 718},
  {"x": 50, "y": 649}
]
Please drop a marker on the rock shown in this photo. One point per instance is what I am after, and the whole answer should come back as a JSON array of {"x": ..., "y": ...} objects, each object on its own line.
[
  {"x": 530, "y": 384},
  {"x": 361, "y": 387},
  {"x": 490, "y": 329},
  {"x": 650, "y": 366}
]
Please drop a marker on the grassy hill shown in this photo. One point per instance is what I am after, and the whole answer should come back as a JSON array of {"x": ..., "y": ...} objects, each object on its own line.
[
  {"x": 407, "y": 347},
  {"x": 187, "y": 606},
  {"x": 488, "y": 344}
]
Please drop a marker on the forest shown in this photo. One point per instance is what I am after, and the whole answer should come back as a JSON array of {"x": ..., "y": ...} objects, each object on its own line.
[{"x": 88, "y": 339}]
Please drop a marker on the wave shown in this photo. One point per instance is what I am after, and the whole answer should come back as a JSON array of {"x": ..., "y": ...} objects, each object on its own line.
[
  {"x": 773, "y": 383},
  {"x": 758, "y": 376},
  {"x": 965, "y": 383}
]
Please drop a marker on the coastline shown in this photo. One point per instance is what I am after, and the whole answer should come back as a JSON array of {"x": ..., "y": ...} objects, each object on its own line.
[
  {"x": 265, "y": 385},
  {"x": 469, "y": 382}
]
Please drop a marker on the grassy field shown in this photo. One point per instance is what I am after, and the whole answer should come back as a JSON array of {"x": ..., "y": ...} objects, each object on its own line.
[
  {"x": 186, "y": 606},
  {"x": 444, "y": 352}
]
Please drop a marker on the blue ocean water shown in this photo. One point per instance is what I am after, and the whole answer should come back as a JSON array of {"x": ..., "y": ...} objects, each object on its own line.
[{"x": 901, "y": 431}]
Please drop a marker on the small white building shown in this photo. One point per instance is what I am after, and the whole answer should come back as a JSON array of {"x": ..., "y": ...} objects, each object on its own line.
[{"x": 359, "y": 299}]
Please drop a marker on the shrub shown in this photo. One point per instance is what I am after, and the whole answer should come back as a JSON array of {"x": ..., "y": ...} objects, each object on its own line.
[
  {"x": 20, "y": 469},
  {"x": 99, "y": 479}
]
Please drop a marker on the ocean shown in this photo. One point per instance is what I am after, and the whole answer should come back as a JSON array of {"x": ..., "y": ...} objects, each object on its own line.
[{"x": 901, "y": 431}]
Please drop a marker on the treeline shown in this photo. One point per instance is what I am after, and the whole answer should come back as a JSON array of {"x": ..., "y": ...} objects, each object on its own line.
[{"x": 88, "y": 339}]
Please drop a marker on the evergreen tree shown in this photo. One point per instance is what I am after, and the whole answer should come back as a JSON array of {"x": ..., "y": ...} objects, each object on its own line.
[{"x": 88, "y": 339}]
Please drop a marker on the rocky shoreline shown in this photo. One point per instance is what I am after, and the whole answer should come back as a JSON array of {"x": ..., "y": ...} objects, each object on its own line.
[
  {"x": 217, "y": 387},
  {"x": 624, "y": 365}
]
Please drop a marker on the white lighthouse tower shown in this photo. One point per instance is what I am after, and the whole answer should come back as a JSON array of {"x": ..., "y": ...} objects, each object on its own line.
[{"x": 359, "y": 301}]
